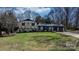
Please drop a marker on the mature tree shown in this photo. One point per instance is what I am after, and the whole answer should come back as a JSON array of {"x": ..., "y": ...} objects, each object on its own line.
[
  {"x": 8, "y": 22},
  {"x": 39, "y": 19},
  {"x": 66, "y": 16},
  {"x": 48, "y": 20},
  {"x": 77, "y": 19}
]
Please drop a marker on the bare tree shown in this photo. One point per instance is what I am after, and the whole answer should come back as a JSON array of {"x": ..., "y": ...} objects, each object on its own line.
[
  {"x": 66, "y": 17},
  {"x": 8, "y": 22}
]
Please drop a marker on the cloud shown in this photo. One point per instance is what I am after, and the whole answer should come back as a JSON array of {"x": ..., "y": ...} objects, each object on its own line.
[
  {"x": 21, "y": 10},
  {"x": 35, "y": 9},
  {"x": 40, "y": 10}
]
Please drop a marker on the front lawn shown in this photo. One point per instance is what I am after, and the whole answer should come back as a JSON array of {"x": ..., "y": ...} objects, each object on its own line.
[{"x": 38, "y": 41}]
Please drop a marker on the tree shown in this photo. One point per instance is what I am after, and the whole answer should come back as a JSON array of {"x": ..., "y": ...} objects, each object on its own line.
[
  {"x": 8, "y": 22},
  {"x": 66, "y": 16},
  {"x": 77, "y": 19},
  {"x": 48, "y": 20},
  {"x": 39, "y": 19}
]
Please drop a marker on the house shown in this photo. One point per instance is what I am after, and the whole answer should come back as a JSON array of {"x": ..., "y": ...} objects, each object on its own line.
[{"x": 29, "y": 25}]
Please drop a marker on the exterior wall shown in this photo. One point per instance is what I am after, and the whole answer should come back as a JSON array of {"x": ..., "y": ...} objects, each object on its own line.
[{"x": 28, "y": 26}]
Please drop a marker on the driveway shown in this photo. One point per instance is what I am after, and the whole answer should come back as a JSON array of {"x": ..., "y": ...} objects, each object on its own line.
[{"x": 70, "y": 34}]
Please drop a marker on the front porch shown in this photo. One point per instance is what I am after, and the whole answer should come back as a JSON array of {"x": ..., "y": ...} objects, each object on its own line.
[{"x": 51, "y": 28}]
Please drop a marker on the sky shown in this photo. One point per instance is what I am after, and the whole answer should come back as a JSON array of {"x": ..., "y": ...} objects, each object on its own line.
[{"x": 41, "y": 11}]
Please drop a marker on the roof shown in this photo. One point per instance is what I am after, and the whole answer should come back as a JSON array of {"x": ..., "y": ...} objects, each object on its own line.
[
  {"x": 27, "y": 20},
  {"x": 50, "y": 25}
]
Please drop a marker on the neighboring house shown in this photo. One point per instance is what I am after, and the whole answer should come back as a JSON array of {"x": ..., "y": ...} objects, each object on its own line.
[{"x": 29, "y": 25}]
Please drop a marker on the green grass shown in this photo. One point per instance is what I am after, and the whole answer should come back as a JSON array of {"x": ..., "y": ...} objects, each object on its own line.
[{"x": 33, "y": 41}]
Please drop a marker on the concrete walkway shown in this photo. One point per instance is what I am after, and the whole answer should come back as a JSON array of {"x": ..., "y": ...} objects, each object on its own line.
[{"x": 70, "y": 34}]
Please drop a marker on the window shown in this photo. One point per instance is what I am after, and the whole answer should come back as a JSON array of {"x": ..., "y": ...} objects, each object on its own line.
[
  {"x": 23, "y": 24},
  {"x": 33, "y": 24}
]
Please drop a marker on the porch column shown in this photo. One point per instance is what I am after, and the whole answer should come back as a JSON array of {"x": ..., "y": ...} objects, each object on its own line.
[
  {"x": 63, "y": 29},
  {"x": 49, "y": 28},
  {"x": 52, "y": 28},
  {"x": 57, "y": 28},
  {"x": 41, "y": 28}
]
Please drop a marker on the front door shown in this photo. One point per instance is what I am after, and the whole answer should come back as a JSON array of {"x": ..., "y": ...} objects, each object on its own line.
[
  {"x": 54, "y": 28},
  {"x": 61, "y": 29},
  {"x": 45, "y": 28}
]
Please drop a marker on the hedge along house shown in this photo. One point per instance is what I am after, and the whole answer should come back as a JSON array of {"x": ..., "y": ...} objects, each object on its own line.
[{"x": 50, "y": 27}]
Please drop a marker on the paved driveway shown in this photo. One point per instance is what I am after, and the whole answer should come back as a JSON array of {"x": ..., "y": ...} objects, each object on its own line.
[{"x": 70, "y": 34}]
